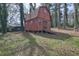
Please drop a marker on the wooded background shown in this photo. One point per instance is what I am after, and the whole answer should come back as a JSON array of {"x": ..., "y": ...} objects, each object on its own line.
[{"x": 12, "y": 15}]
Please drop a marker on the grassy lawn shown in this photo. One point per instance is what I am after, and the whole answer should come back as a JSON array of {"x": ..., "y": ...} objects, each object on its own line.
[{"x": 59, "y": 44}]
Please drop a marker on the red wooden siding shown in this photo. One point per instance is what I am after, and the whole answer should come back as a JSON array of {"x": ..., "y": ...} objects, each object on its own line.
[
  {"x": 43, "y": 13},
  {"x": 39, "y": 23}
]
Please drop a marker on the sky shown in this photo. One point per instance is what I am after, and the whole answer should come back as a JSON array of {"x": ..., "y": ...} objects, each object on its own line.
[{"x": 26, "y": 5}]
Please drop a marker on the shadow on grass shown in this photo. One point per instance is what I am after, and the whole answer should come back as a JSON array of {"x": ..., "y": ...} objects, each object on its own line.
[
  {"x": 33, "y": 45},
  {"x": 54, "y": 35}
]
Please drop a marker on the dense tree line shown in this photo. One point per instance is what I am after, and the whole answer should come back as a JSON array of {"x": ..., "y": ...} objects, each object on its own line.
[
  {"x": 57, "y": 15},
  {"x": 55, "y": 11}
]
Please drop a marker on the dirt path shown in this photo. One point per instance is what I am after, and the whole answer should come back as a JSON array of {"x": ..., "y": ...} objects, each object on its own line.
[{"x": 70, "y": 32}]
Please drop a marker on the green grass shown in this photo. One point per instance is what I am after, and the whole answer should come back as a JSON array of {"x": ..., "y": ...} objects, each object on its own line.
[{"x": 59, "y": 44}]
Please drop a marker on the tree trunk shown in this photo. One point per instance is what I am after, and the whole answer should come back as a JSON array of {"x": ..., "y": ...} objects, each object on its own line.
[
  {"x": 3, "y": 15},
  {"x": 55, "y": 24},
  {"x": 76, "y": 17},
  {"x": 21, "y": 16},
  {"x": 65, "y": 16},
  {"x": 58, "y": 15},
  {"x": 32, "y": 7}
]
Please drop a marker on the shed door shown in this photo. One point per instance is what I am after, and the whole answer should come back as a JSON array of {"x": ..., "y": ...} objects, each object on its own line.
[{"x": 45, "y": 25}]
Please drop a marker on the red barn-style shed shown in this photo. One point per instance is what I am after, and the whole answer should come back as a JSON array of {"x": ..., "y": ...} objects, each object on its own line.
[{"x": 39, "y": 20}]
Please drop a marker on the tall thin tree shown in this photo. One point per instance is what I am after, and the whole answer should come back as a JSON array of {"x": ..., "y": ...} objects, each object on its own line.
[
  {"x": 58, "y": 15},
  {"x": 3, "y": 15},
  {"x": 21, "y": 16},
  {"x": 76, "y": 16},
  {"x": 65, "y": 15},
  {"x": 55, "y": 15}
]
